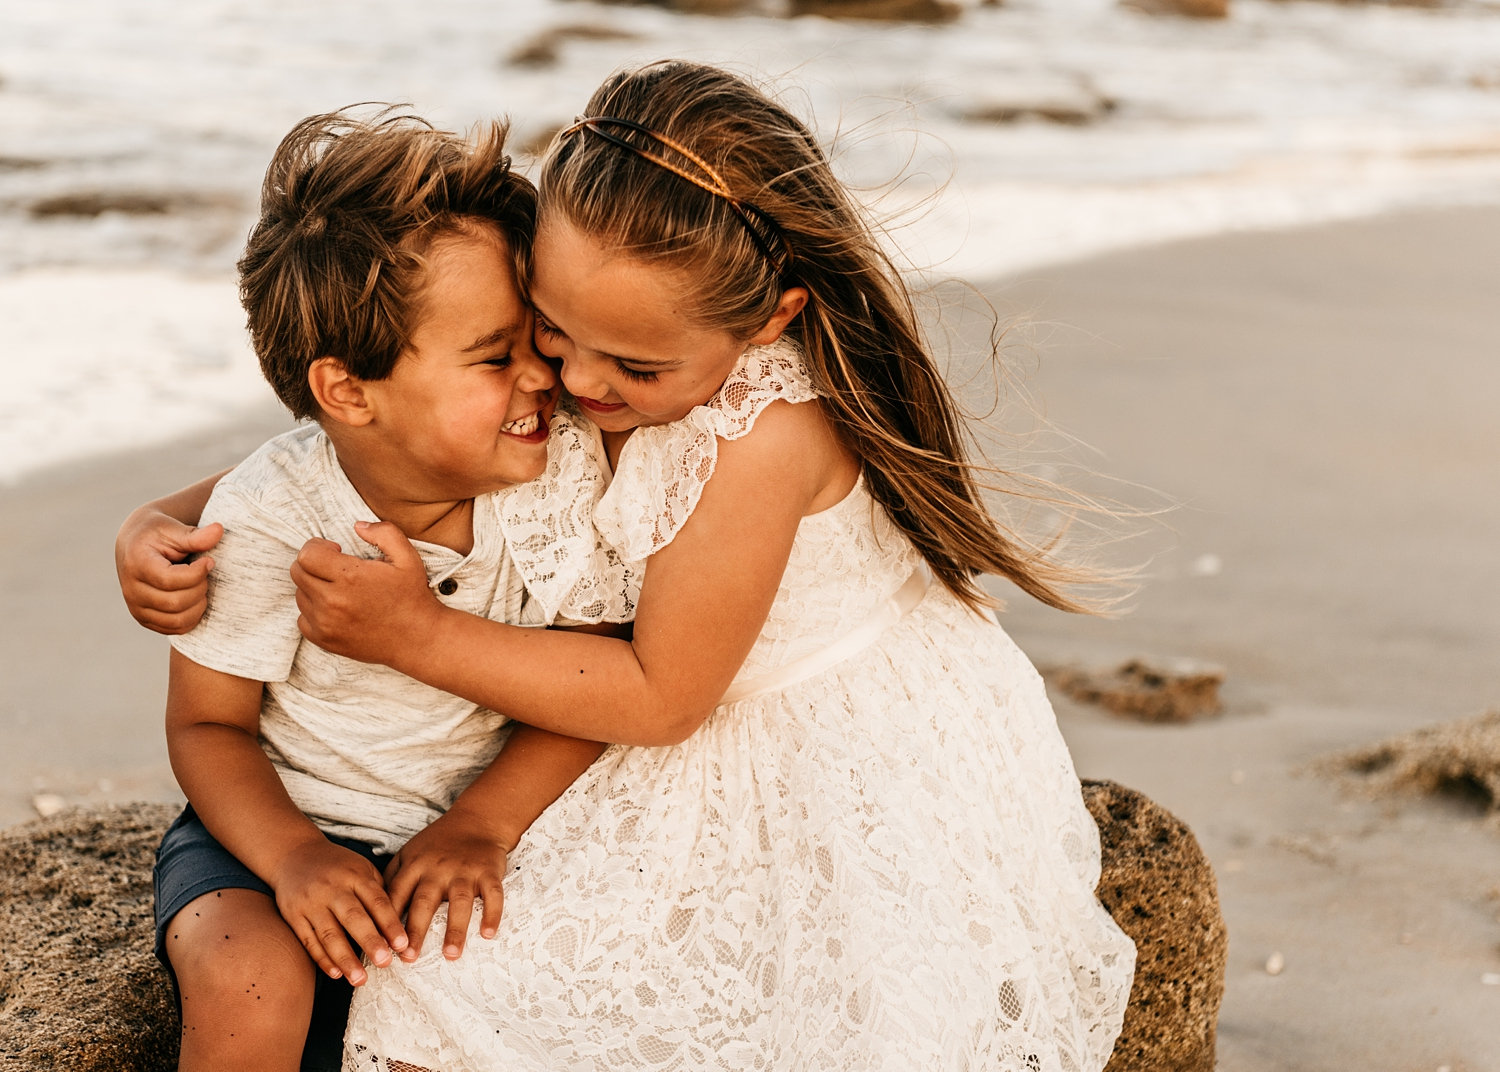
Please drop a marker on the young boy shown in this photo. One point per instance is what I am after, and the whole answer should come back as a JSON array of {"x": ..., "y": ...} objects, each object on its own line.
[{"x": 382, "y": 299}]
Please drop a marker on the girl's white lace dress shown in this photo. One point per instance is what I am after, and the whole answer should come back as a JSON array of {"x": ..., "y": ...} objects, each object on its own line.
[{"x": 873, "y": 855}]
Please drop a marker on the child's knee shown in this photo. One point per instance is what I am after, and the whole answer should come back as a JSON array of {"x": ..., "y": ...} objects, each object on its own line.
[{"x": 231, "y": 950}]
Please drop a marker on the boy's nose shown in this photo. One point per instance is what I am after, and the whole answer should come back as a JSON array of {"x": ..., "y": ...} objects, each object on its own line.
[{"x": 536, "y": 373}]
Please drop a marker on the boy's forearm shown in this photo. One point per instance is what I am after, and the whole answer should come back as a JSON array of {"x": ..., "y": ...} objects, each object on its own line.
[
  {"x": 533, "y": 769},
  {"x": 238, "y": 795}
]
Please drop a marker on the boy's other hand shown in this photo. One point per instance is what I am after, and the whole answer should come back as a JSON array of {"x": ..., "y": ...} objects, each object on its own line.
[
  {"x": 163, "y": 590},
  {"x": 360, "y": 608},
  {"x": 328, "y": 895},
  {"x": 458, "y": 860}
]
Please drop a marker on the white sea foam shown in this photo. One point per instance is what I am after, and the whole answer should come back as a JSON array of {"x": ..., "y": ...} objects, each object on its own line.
[{"x": 121, "y": 329}]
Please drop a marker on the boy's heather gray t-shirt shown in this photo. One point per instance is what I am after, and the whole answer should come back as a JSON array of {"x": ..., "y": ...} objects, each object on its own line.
[{"x": 364, "y": 751}]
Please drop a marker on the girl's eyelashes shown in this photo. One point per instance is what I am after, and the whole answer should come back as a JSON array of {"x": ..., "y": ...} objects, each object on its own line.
[
  {"x": 547, "y": 330},
  {"x": 639, "y": 375}
]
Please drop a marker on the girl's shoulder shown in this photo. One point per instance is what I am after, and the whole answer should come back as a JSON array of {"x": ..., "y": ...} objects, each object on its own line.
[
  {"x": 663, "y": 469},
  {"x": 764, "y": 375}
]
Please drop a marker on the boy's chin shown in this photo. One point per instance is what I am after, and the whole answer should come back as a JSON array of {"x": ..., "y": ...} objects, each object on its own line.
[{"x": 520, "y": 473}]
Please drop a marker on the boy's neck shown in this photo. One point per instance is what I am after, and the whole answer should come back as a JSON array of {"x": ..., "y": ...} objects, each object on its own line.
[{"x": 447, "y": 523}]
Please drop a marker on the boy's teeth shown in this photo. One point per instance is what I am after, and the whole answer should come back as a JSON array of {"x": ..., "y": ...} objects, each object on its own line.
[{"x": 524, "y": 426}]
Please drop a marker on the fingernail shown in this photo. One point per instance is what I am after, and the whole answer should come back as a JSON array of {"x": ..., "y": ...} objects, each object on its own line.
[
  {"x": 357, "y": 978},
  {"x": 451, "y": 952},
  {"x": 408, "y": 955},
  {"x": 400, "y": 943},
  {"x": 488, "y": 932},
  {"x": 334, "y": 973},
  {"x": 381, "y": 957}
]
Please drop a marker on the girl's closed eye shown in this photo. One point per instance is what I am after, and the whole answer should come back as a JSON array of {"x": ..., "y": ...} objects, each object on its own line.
[
  {"x": 546, "y": 330},
  {"x": 639, "y": 375}
]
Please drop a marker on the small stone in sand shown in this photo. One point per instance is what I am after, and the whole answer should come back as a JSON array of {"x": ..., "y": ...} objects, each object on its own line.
[
  {"x": 1275, "y": 964},
  {"x": 48, "y": 804},
  {"x": 1149, "y": 692},
  {"x": 1459, "y": 759}
]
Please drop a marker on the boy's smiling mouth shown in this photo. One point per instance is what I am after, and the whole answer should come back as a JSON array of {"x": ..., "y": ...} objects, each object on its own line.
[{"x": 526, "y": 426}]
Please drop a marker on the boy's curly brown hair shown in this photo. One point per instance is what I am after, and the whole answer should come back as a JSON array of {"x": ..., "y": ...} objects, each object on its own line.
[{"x": 335, "y": 265}]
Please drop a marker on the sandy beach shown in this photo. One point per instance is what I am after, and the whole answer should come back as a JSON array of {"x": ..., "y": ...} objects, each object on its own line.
[{"x": 1320, "y": 404}]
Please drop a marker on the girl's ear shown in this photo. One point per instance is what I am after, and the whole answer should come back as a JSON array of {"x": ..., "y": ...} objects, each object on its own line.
[
  {"x": 793, "y": 299},
  {"x": 340, "y": 394}
]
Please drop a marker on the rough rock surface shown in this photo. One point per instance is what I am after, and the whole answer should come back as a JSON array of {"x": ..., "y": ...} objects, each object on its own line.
[
  {"x": 1159, "y": 887},
  {"x": 80, "y": 990},
  {"x": 79, "y": 987}
]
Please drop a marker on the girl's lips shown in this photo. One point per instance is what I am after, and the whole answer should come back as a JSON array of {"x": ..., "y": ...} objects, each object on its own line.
[{"x": 600, "y": 407}]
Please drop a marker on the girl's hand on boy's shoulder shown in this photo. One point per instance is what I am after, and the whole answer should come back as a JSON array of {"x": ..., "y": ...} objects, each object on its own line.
[
  {"x": 457, "y": 859},
  {"x": 329, "y": 895},
  {"x": 165, "y": 588},
  {"x": 372, "y": 610}
]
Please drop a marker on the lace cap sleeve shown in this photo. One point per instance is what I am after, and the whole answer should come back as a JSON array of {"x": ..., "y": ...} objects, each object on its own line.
[
  {"x": 549, "y": 529},
  {"x": 663, "y": 468}
]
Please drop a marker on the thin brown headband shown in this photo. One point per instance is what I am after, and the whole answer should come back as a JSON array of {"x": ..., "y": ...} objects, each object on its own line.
[{"x": 779, "y": 255}]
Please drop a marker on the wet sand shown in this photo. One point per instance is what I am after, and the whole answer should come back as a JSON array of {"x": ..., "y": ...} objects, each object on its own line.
[{"x": 1321, "y": 405}]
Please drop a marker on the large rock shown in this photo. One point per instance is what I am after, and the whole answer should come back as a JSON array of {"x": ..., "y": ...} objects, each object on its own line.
[
  {"x": 79, "y": 987},
  {"x": 1160, "y": 889},
  {"x": 80, "y": 990}
]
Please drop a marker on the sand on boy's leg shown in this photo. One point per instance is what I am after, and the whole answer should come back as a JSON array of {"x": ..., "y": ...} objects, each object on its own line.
[{"x": 245, "y": 982}]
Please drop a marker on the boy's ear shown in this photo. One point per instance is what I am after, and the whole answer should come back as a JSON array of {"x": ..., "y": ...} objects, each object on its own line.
[
  {"x": 339, "y": 393},
  {"x": 793, "y": 299}
]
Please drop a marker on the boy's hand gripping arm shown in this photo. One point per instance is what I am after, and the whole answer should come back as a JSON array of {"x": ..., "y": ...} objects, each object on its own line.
[
  {"x": 325, "y": 893},
  {"x": 463, "y": 854},
  {"x": 162, "y": 589}
]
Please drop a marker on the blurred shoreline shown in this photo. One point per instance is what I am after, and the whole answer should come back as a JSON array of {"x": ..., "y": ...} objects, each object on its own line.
[{"x": 1015, "y": 138}]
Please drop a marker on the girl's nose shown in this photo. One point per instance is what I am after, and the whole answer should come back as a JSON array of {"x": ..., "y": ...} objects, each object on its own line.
[{"x": 580, "y": 382}]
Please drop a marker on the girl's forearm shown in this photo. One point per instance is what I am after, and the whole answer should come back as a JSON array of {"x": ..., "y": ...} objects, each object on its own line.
[
  {"x": 575, "y": 684},
  {"x": 186, "y": 504}
]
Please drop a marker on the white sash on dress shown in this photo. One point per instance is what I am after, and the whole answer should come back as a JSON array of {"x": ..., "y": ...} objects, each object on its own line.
[{"x": 901, "y": 603}]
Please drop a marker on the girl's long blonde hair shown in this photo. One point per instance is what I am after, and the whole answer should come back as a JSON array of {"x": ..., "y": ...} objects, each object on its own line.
[{"x": 692, "y": 166}]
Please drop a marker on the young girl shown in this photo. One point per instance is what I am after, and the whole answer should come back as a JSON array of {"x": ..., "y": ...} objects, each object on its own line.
[{"x": 857, "y": 840}]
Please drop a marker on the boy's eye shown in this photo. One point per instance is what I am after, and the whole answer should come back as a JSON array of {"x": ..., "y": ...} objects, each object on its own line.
[{"x": 500, "y": 362}]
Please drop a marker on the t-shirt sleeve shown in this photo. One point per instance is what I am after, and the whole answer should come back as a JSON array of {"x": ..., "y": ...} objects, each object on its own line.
[{"x": 250, "y": 628}]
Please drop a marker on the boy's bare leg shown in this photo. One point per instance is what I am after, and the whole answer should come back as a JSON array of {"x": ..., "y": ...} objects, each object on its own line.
[{"x": 246, "y": 984}]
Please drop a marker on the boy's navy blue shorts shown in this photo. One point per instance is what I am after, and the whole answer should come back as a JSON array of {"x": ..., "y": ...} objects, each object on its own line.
[{"x": 190, "y": 863}]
